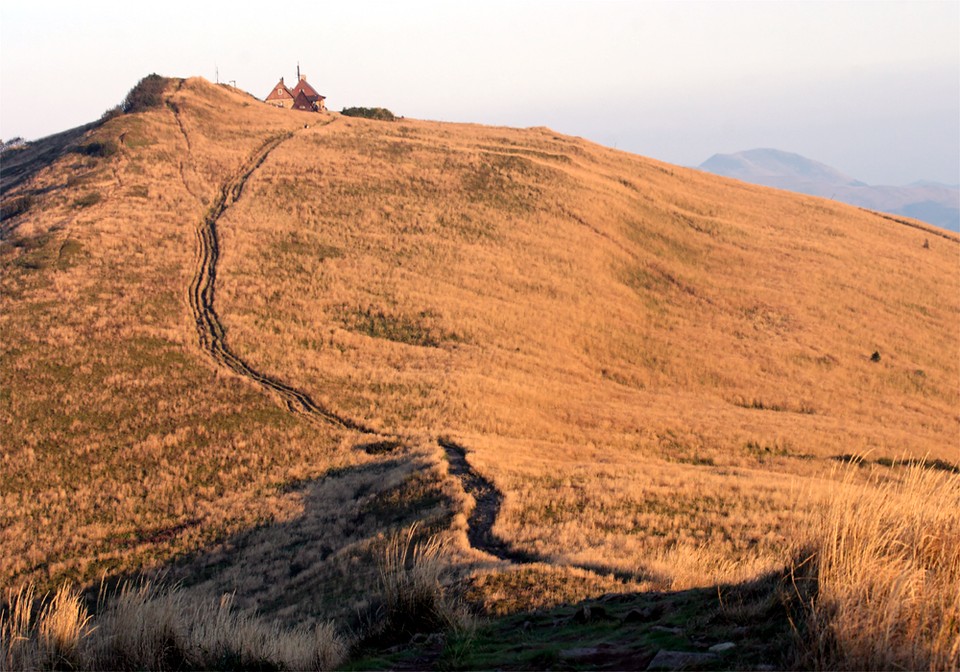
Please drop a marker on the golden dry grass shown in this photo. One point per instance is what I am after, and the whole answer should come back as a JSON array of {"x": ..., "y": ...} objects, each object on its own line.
[
  {"x": 656, "y": 366},
  {"x": 648, "y": 361},
  {"x": 122, "y": 444},
  {"x": 144, "y": 627},
  {"x": 886, "y": 560},
  {"x": 412, "y": 592}
]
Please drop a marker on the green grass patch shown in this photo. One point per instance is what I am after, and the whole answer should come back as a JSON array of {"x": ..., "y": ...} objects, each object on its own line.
[
  {"x": 300, "y": 247},
  {"x": 935, "y": 465},
  {"x": 533, "y": 153},
  {"x": 420, "y": 329},
  {"x": 652, "y": 282},
  {"x": 136, "y": 141},
  {"x": 465, "y": 227},
  {"x": 14, "y": 207},
  {"x": 97, "y": 148},
  {"x": 761, "y": 451},
  {"x": 760, "y": 405},
  {"x": 70, "y": 253},
  {"x": 44, "y": 251},
  {"x": 568, "y": 638},
  {"x": 88, "y": 199},
  {"x": 508, "y": 182}
]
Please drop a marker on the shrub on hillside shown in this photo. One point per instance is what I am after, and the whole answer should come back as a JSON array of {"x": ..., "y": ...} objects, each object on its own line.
[
  {"x": 15, "y": 206},
  {"x": 13, "y": 144},
  {"x": 146, "y": 94},
  {"x": 96, "y": 148},
  {"x": 88, "y": 199},
  {"x": 379, "y": 113},
  {"x": 114, "y": 111}
]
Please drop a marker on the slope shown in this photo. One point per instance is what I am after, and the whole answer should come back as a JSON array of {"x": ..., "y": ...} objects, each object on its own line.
[
  {"x": 125, "y": 444},
  {"x": 600, "y": 330},
  {"x": 656, "y": 369}
]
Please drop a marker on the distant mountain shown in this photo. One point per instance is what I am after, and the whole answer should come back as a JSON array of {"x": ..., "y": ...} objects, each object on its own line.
[
  {"x": 935, "y": 203},
  {"x": 931, "y": 183}
]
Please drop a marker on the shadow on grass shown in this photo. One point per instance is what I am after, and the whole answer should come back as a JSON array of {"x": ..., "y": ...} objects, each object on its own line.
[
  {"x": 933, "y": 465},
  {"x": 321, "y": 562},
  {"x": 19, "y": 165},
  {"x": 740, "y": 627}
]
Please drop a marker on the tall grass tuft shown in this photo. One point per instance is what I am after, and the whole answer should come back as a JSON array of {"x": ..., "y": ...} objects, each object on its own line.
[
  {"x": 886, "y": 566},
  {"x": 52, "y": 639},
  {"x": 144, "y": 627},
  {"x": 414, "y": 599},
  {"x": 63, "y": 623},
  {"x": 18, "y": 650},
  {"x": 147, "y": 627}
]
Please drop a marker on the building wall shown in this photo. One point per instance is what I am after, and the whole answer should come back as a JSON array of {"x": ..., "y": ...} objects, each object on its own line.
[{"x": 281, "y": 102}]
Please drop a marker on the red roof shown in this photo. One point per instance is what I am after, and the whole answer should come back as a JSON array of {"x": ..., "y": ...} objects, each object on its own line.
[
  {"x": 301, "y": 102},
  {"x": 279, "y": 92},
  {"x": 309, "y": 91}
]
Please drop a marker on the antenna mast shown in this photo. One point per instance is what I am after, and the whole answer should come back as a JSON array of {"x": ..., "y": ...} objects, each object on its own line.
[{"x": 298, "y": 71}]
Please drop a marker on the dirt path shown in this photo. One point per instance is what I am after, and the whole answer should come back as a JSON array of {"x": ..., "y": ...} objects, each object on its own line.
[
  {"x": 481, "y": 520},
  {"x": 484, "y": 515},
  {"x": 211, "y": 334},
  {"x": 202, "y": 293},
  {"x": 929, "y": 228}
]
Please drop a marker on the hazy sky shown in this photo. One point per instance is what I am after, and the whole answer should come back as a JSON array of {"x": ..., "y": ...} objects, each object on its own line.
[{"x": 872, "y": 89}]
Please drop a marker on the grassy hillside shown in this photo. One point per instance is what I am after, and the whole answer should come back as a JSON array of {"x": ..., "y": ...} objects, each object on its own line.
[
  {"x": 601, "y": 331},
  {"x": 124, "y": 444},
  {"x": 232, "y": 336}
]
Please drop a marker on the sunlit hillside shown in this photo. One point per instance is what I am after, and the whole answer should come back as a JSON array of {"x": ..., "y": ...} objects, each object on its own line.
[{"x": 240, "y": 345}]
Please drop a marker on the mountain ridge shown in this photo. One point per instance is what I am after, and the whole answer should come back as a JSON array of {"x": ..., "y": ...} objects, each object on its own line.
[{"x": 935, "y": 203}]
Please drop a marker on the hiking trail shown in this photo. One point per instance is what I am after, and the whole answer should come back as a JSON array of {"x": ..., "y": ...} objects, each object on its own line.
[{"x": 212, "y": 340}]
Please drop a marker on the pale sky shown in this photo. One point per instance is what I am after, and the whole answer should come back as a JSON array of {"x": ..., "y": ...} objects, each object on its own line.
[{"x": 870, "y": 88}]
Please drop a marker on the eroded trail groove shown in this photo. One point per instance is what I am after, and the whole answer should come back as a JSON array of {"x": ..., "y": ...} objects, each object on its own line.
[
  {"x": 488, "y": 502},
  {"x": 211, "y": 335},
  {"x": 484, "y": 515},
  {"x": 202, "y": 289},
  {"x": 212, "y": 340}
]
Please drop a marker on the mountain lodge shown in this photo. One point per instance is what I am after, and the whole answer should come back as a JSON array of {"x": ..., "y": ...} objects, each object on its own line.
[{"x": 300, "y": 97}]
